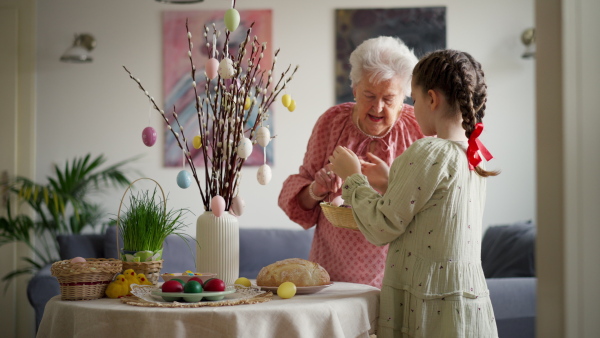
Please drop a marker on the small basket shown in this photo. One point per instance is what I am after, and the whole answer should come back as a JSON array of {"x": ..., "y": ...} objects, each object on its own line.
[
  {"x": 150, "y": 269},
  {"x": 340, "y": 217},
  {"x": 86, "y": 280}
]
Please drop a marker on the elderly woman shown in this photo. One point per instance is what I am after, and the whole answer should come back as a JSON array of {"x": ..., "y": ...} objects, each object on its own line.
[{"x": 378, "y": 128}]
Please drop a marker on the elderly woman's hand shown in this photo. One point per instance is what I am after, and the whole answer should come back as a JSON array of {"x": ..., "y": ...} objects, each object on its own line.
[
  {"x": 377, "y": 172},
  {"x": 326, "y": 182},
  {"x": 344, "y": 162}
]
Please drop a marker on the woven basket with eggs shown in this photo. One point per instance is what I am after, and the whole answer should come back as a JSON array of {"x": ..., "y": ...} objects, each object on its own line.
[
  {"x": 340, "y": 217},
  {"x": 86, "y": 279}
]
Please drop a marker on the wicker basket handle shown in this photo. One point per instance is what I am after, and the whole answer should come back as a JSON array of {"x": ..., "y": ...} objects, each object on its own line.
[{"x": 121, "y": 204}]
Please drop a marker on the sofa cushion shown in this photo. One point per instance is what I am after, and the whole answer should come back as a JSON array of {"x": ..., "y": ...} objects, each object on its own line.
[
  {"x": 509, "y": 251},
  {"x": 110, "y": 243},
  {"x": 86, "y": 246},
  {"x": 261, "y": 247}
]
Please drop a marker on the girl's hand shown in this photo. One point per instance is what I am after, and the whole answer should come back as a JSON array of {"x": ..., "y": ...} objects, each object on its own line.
[
  {"x": 326, "y": 181},
  {"x": 344, "y": 162},
  {"x": 377, "y": 172}
]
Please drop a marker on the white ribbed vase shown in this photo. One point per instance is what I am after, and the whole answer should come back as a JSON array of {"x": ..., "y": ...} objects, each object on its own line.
[{"x": 219, "y": 239}]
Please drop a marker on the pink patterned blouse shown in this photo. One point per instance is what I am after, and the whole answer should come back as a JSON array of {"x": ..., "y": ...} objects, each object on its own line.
[{"x": 345, "y": 254}]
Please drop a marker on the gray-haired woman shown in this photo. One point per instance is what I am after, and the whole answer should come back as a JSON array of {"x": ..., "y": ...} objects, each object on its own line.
[{"x": 377, "y": 127}]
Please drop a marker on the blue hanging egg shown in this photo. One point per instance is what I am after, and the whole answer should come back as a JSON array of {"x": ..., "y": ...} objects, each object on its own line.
[{"x": 184, "y": 179}]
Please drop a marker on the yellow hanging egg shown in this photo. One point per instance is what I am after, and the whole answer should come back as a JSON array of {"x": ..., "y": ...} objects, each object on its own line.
[
  {"x": 292, "y": 106},
  {"x": 197, "y": 142},
  {"x": 286, "y": 100},
  {"x": 247, "y": 103}
]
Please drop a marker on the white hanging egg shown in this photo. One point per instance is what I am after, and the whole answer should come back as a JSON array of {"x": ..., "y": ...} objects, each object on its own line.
[
  {"x": 263, "y": 136},
  {"x": 217, "y": 204},
  {"x": 244, "y": 148},
  {"x": 263, "y": 175},
  {"x": 226, "y": 68},
  {"x": 211, "y": 67},
  {"x": 237, "y": 205},
  {"x": 184, "y": 179}
]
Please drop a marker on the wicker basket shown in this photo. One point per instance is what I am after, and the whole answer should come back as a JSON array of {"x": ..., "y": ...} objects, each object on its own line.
[
  {"x": 150, "y": 269},
  {"x": 340, "y": 217},
  {"x": 86, "y": 280}
]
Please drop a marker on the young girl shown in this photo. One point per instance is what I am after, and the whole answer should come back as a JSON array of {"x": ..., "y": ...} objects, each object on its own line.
[{"x": 431, "y": 211}]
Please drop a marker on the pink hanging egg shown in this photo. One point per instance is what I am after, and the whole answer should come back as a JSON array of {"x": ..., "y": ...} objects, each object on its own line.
[
  {"x": 217, "y": 204},
  {"x": 237, "y": 205},
  {"x": 212, "y": 66},
  {"x": 149, "y": 136}
]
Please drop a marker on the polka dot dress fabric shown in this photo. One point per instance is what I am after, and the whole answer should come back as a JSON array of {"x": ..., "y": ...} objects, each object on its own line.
[
  {"x": 345, "y": 254},
  {"x": 431, "y": 217}
]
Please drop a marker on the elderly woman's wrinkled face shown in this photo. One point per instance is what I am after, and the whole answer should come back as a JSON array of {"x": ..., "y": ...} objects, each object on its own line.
[{"x": 377, "y": 105}]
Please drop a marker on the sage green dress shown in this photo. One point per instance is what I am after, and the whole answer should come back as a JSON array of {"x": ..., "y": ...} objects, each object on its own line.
[{"x": 431, "y": 215}]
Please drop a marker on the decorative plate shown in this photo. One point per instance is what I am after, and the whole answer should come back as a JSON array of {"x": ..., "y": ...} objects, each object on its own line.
[
  {"x": 191, "y": 297},
  {"x": 300, "y": 290},
  {"x": 185, "y": 277}
]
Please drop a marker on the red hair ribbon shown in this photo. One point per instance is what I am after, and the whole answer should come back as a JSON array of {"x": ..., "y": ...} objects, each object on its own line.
[{"x": 475, "y": 146}]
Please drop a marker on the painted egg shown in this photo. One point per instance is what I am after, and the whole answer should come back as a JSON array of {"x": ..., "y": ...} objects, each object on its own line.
[
  {"x": 211, "y": 68},
  {"x": 237, "y": 205},
  {"x": 78, "y": 260},
  {"x": 286, "y": 100},
  {"x": 244, "y": 148},
  {"x": 263, "y": 136},
  {"x": 197, "y": 142},
  {"x": 247, "y": 104},
  {"x": 337, "y": 201},
  {"x": 184, "y": 179},
  {"x": 292, "y": 106},
  {"x": 149, "y": 136},
  {"x": 226, "y": 68},
  {"x": 217, "y": 204},
  {"x": 263, "y": 175},
  {"x": 232, "y": 19},
  {"x": 286, "y": 290}
]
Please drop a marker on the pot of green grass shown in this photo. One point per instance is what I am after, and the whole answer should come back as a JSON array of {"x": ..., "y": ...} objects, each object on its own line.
[{"x": 144, "y": 224}]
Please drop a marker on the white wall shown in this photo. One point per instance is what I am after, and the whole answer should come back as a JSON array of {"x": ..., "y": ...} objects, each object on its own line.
[{"x": 96, "y": 108}]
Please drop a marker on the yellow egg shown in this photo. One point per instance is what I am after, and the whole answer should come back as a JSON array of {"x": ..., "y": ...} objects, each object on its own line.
[
  {"x": 286, "y": 290},
  {"x": 243, "y": 281},
  {"x": 197, "y": 141},
  {"x": 292, "y": 106},
  {"x": 247, "y": 103},
  {"x": 286, "y": 100}
]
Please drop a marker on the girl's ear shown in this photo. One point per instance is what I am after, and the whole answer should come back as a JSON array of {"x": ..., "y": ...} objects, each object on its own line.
[{"x": 433, "y": 99}]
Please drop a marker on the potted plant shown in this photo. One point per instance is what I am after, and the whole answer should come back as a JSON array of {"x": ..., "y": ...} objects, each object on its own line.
[{"x": 144, "y": 225}]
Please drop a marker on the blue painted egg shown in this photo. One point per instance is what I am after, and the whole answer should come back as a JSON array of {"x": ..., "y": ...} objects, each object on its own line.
[{"x": 184, "y": 179}]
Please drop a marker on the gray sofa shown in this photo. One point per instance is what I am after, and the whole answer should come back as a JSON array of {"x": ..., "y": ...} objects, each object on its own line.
[{"x": 513, "y": 296}]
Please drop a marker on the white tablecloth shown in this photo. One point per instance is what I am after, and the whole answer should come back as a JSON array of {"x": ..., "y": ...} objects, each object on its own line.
[{"x": 342, "y": 310}]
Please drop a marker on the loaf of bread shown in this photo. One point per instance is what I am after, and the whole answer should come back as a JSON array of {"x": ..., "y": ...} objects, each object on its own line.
[{"x": 296, "y": 270}]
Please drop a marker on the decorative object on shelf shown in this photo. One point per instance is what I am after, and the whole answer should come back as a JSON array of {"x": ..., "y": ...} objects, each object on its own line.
[
  {"x": 144, "y": 225},
  {"x": 79, "y": 51}
]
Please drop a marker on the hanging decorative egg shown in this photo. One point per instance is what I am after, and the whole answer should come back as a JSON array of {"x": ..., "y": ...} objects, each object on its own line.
[
  {"x": 292, "y": 106},
  {"x": 286, "y": 100},
  {"x": 244, "y": 148},
  {"x": 149, "y": 136},
  {"x": 211, "y": 68},
  {"x": 232, "y": 19},
  {"x": 263, "y": 175},
  {"x": 217, "y": 204},
  {"x": 197, "y": 142},
  {"x": 237, "y": 205},
  {"x": 184, "y": 179},
  {"x": 247, "y": 104},
  {"x": 226, "y": 68},
  {"x": 263, "y": 136}
]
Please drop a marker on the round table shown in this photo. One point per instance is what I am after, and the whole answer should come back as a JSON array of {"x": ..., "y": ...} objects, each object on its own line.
[{"x": 341, "y": 310}]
